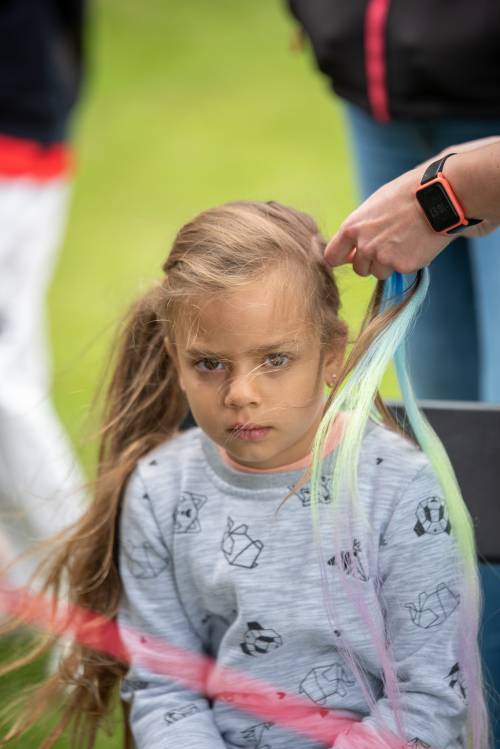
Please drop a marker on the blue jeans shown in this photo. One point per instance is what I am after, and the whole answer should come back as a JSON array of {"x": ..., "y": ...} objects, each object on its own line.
[{"x": 454, "y": 350}]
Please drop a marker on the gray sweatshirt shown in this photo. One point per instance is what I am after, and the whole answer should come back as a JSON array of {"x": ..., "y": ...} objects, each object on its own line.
[{"x": 209, "y": 564}]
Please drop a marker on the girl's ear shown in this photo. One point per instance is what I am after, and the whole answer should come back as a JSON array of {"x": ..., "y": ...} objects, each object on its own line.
[
  {"x": 334, "y": 360},
  {"x": 172, "y": 353}
]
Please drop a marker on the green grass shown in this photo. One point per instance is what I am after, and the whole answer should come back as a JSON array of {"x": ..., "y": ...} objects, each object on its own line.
[{"x": 188, "y": 104}]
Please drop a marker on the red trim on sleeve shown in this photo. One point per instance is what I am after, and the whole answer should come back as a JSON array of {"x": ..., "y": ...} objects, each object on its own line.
[
  {"x": 28, "y": 158},
  {"x": 375, "y": 58}
]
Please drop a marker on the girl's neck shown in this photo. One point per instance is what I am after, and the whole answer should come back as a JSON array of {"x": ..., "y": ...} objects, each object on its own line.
[{"x": 331, "y": 443}]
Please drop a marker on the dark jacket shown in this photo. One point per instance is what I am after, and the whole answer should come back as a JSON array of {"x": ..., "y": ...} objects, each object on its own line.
[
  {"x": 41, "y": 63},
  {"x": 408, "y": 58}
]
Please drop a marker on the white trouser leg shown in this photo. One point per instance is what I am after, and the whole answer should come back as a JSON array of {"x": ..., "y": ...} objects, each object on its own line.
[{"x": 40, "y": 482}]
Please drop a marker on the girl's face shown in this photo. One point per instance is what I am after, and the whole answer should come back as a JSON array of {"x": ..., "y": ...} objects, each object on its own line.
[{"x": 254, "y": 374}]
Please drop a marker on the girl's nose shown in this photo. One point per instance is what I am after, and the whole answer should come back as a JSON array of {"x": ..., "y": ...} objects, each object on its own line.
[{"x": 241, "y": 391}]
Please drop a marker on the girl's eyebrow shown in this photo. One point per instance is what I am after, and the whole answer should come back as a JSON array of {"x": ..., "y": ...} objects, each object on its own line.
[
  {"x": 265, "y": 348},
  {"x": 286, "y": 345}
]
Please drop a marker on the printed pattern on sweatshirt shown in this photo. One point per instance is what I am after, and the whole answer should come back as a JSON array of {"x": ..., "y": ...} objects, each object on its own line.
[
  {"x": 258, "y": 640},
  {"x": 304, "y": 493},
  {"x": 456, "y": 681},
  {"x": 325, "y": 682},
  {"x": 238, "y": 547},
  {"x": 432, "y": 609},
  {"x": 239, "y": 581},
  {"x": 432, "y": 517},
  {"x": 187, "y": 513},
  {"x": 351, "y": 562},
  {"x": 174, "y": 715},
  {"x": 144, "y": 561},
  {"x": 254, "y": 736}
]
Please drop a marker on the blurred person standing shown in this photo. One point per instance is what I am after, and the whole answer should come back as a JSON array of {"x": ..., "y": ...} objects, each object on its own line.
[
  {"x": 41, "y": 65},
  {"x": 415, "y": 76}
]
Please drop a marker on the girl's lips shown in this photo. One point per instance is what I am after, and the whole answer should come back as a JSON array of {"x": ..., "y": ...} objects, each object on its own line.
[{"x": 250, "y": 433}]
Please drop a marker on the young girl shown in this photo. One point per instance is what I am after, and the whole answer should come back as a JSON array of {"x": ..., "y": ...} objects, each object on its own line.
[{"x": 365, "y": 608}]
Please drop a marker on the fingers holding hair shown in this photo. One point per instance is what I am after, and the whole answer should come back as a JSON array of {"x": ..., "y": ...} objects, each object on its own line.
[
  {"x": 380, "y": 270},
  {"x": 340, "y": 249}
]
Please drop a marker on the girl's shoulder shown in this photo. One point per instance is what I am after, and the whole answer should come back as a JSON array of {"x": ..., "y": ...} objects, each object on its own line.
[
  {"x": 157, "y": 482},
  {"x": 183, "y": 445},
  {"x": 393, "y": 461},
  {"x": 396, "y": 473},
  {"x": 393, "y": 447},
  {"x": 163, "y": 470}
]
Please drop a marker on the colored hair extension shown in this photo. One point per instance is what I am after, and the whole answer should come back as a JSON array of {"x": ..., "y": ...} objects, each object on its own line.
[
  {"x": 464, "y": 533},
  {"x": 400, "y": 306}
]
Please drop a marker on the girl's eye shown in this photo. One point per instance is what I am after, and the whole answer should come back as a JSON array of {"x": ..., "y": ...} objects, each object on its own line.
[
  {"x": 277, "y": 361},
  {"x": 208, "y": 365}
]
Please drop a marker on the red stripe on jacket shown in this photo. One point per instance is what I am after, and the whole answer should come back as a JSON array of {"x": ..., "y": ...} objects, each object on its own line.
[
  {"x": 375, "y": 58},
  {"x": 28, "y": 158}
]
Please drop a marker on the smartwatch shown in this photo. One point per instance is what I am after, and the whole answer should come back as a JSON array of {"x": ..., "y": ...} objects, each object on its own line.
[{"x": 438, "y": 201}]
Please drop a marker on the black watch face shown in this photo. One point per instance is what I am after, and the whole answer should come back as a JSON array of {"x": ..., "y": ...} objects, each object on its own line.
[{"x": 438, "y": 207}]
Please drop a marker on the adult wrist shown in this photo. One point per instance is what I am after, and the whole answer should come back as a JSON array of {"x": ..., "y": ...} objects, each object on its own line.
[
  {"x": 462, "y": 172},
  {"x": 439, "y": 201}
]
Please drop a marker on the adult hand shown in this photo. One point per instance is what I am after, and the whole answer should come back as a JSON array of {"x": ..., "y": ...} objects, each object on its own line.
[{"x": 389, "y": 230}]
